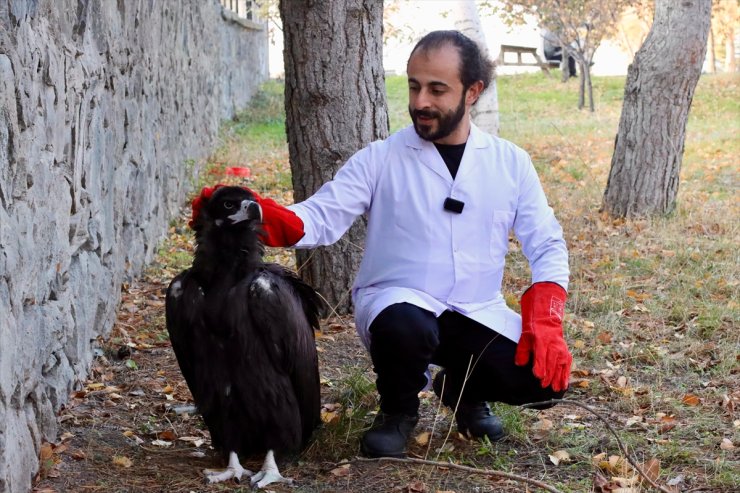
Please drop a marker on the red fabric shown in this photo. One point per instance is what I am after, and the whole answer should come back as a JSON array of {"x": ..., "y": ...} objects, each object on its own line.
[
  {"x": 543, "y": 305},
  {"x": 280, "y": 226},
  {"x": 200, "y": 201}
]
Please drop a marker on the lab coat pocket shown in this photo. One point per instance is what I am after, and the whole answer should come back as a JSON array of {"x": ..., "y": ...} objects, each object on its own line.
[{"x": 503, "y": 221}]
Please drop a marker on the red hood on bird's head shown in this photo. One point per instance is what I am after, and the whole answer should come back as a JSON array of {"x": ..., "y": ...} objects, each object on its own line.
[
  {"x": 200, "y": 201},
  {"x": 205, "y": 195}
]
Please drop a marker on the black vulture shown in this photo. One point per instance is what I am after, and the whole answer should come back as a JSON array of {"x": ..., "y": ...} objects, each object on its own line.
[{"x": 242, "y": 332}]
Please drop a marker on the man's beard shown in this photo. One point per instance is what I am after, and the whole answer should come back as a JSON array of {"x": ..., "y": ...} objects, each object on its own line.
[{"x": 446, "y": 124}]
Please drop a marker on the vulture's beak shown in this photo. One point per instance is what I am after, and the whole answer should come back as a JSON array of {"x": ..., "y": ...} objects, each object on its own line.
[{"x": 248, "y": 211}]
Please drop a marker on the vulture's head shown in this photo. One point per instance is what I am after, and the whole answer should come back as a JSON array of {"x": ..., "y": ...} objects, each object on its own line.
[{"x": 224, "y": 207}]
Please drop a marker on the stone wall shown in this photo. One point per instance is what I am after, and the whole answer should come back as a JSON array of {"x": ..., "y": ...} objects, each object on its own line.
[{"x": 104, "y": 106}]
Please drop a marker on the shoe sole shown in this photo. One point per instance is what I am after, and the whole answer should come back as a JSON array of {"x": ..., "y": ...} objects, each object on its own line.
[
  {"x": 376, "y": 455},
  {"x": 465, "y": 432}
]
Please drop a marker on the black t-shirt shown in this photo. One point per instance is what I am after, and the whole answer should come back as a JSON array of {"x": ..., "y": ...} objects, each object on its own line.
[{"x": 452, "y": 155}]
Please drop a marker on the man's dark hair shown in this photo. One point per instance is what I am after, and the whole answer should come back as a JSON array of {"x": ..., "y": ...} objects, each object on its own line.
[{"x": 474, "y": 64}]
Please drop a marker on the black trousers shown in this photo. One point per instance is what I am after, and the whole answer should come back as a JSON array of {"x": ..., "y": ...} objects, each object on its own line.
[{"x": 405, "y": 339}]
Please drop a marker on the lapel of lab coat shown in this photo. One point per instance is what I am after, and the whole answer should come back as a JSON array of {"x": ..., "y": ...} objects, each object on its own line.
[
  {"x": 471, "y": 158},
  {"x": 429, "y": 156}
]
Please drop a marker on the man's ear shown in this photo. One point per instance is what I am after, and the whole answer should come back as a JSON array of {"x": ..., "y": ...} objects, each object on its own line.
[{"x": 473, "y": 93}]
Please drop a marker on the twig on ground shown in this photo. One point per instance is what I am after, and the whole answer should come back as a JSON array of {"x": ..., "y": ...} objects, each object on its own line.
[
  {"x": 485, "y": 472},
  {"x": 621, "y": 445}
]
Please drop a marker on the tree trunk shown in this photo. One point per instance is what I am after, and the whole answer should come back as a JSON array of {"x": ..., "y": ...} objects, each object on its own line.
[
  {"x": 730, "y": 55},
  {"x": 711, "y": 58},
  {"x": 586, "y": 68},
  {"x": 485, "y": 112},
  {"x": 582, "y": 85},
  {"x": 334, "y": 105},
  {"x": 661, "y": 80},
  {"x": 564, "y": 68}
]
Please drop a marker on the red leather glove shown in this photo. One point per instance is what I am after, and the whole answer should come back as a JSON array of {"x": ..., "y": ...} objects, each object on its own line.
[
  {"x": 543, "y": 305},
  {"x": 280, "y": 226}
]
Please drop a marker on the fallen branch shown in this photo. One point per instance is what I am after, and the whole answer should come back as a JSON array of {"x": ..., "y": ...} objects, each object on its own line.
[
  {"x": 621, "y": 445},
  {"x": 485, "y": 472}
]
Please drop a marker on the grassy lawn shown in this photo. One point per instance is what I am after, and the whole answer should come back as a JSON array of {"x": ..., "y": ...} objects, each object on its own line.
[
  {"x": 653, "y": 305},
  {"x": 652, "y": 317}
]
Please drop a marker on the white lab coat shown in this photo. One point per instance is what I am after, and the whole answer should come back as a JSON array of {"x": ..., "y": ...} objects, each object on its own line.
[{"x": 419, "y": 253}]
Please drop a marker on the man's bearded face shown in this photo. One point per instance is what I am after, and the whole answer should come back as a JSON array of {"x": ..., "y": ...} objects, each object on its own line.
[{"x": 433, "y": 125}]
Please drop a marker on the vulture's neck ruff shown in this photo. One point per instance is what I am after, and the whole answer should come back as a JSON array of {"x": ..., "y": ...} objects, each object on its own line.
[{"x": 227, "y": 242}]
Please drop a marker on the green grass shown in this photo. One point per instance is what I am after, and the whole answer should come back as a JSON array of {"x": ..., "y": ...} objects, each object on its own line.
[{"x": 653, "y": 301}]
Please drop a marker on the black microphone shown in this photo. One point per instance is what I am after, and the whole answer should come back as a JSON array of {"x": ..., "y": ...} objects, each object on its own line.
[{"x": 454, "y": 205}]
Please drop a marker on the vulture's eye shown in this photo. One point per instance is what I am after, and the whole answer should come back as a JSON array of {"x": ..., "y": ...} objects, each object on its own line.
[{"x": 228, "y": 204}]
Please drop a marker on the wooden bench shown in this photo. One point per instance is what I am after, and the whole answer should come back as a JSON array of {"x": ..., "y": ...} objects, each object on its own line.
[{"x": 521, "y": 52}]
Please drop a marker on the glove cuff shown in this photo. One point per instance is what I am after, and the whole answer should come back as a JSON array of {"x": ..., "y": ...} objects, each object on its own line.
[{"x": 544, "y": 300}]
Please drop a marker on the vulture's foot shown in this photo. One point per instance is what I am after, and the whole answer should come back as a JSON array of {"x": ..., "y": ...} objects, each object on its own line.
[
  {"x": 269, "y": 473},
  {"x": 234, "y": 470}
]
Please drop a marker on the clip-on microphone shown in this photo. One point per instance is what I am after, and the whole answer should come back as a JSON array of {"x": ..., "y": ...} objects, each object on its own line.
[{"x": 453, "y": 205}]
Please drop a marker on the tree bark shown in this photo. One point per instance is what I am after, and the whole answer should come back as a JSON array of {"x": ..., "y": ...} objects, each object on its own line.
[
  {"x": 564, "y": 68},
  {"x": 589, "y": 87},
  {"x": 648, "y": 150},
  {"x": 485, "y": 113},
  {"x": 335, "y": 104},
  {"x": 730, "y": 55},
  {"x": 711, "y": 58},
  {"x": 582, "y": 86}
]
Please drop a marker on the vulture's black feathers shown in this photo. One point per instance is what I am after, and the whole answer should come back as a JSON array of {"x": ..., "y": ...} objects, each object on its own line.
[{"x": 242, "y": 331}]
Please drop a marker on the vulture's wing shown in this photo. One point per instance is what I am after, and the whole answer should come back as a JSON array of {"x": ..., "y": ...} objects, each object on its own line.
[
  {"x": 284, "y": 314},
  {"x": 185, "y": 324}
]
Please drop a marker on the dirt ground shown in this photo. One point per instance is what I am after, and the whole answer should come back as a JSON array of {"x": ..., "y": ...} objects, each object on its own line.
[{"x": 129, "y": 429}]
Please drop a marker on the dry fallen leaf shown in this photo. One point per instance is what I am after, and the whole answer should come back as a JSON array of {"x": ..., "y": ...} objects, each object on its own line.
[
  {"x": 167, "y": 435},
  {"x": 614, "y": 465},
  {"x": 600, "y": 482},
  {"x": 691, "y": 400},
  {"x": 329, "y": 416},
  {"x": 604, "y": 337},
  {"x": 121, "y": 461},
  {"x": 667, "y": 423},
  {"x": 726, "y": 444},
  {"x": 416, "y": 487},
  {"x": 626, "y": 482},
  {"x": 341, "y": 471},
  {"x": 559, "y": 456},
  {"x": 78, "y": 455},
  {"x": 422, "y": 438},
  {"x": 543, "y": 425},
  {"x": 66, "y": 436},
  {"x": 652, "y": 469},
  {"x": 46, "y": 451}
]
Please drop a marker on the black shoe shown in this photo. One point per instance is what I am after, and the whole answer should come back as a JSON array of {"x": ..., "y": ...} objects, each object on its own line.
[
  {"x": 477, "y": 421},
  {"x": 473, "y": 419},
  {"x": 388, "y": 435}
]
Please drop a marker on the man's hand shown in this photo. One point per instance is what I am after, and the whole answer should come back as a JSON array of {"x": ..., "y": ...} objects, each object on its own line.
[
  {"x": 543, "y": 305},
  {"x": 281, "y": 227}
]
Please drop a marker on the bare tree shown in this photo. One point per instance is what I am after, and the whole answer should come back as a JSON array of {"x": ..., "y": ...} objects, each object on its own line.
[
  {"x": 485, "y": 112},
  {"x": 711, "y": 58},
  {"x": 334, "y": 104},
  {"x": 579, "y": 26},
  {"x": 725, "y": 18},
  {"x": 648, "y": 150},
  {"x": 634, "y": 25}
]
